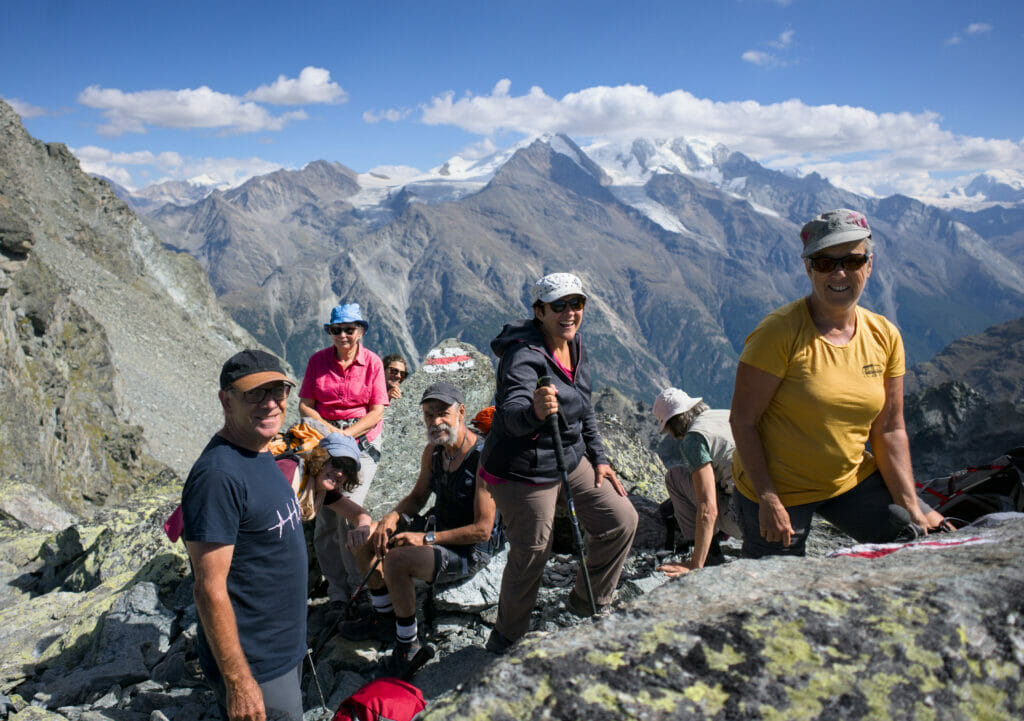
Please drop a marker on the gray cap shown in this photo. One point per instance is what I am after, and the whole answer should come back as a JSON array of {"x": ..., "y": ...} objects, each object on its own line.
[
  {"x": 833, "y": 227},
  {"x": 444, "y": 392},
  {"x": 341, "y": 446}
]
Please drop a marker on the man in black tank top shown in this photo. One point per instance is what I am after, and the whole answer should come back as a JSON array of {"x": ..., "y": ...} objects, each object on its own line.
[{"x": 452, "y": 541}]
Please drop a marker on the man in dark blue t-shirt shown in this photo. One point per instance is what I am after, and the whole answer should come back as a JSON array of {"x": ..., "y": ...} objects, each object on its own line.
[{"x": 244, "y": 537}]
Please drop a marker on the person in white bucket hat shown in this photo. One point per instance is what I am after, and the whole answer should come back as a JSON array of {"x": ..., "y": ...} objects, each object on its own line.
[{"x": 700, "y": 489}]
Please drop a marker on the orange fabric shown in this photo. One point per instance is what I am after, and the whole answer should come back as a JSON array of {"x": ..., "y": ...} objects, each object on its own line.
[{"x": 482, "y": 420}]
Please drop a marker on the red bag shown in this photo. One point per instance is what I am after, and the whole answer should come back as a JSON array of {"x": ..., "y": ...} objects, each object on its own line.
[{"x": 385, "y": 699}]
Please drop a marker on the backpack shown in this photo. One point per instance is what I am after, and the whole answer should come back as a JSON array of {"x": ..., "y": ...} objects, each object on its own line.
[
  {"x": 385, "y": 699},
  {"x": 301, "y": 438},
  {"x": 973, "y": 492}
]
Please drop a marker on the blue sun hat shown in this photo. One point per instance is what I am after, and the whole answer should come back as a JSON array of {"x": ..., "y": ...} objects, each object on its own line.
[
  {"x": 346, "y": 313},
  {"x": 340, "y": 446}
]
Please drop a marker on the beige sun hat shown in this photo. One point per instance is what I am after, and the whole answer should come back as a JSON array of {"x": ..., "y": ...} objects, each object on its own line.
[{"x": 670, "y": 403}]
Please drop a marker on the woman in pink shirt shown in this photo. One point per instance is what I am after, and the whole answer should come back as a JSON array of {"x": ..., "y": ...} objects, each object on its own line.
[{"x": 344, "y": 386}]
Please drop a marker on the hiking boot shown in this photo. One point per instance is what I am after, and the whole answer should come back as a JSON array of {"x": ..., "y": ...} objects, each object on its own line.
[
  {"x": 397, "y": 664},
  {"x": 334, "y": 611},
  {"x": 580, "y": 606},
  {"x": 498, "y": 644},
  {"x": 378, "y": 627}
]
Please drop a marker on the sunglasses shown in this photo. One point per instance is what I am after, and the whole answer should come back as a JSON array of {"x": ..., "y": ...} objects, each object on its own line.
[
  {"x": 561, "y": 304},
  {"x": 395, "y": 372},
  {"x": 259, "y": 395},
  {"x": 339, "y": 329},
  {"x": 854, "y": 261},
  {"x": 342, "y": 464}
]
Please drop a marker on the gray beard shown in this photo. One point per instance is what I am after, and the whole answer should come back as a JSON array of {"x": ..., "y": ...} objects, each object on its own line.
[{"x": 443, "y": 435}]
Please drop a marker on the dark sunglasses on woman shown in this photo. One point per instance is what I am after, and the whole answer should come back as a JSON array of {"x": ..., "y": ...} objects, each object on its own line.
[
  {"x": 339, "y": 329},
  {"x": 824, "y": 264},
  {"x": 561, "y": 304}
]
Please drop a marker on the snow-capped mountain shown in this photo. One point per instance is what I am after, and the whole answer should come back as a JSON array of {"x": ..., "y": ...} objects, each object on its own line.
[
  {"x": 685, "y": 243},
  {"x": 169, "y": 192}
]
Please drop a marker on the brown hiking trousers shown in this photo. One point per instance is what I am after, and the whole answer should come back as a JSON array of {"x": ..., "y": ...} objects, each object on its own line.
[{"x": 528, "y": 512}]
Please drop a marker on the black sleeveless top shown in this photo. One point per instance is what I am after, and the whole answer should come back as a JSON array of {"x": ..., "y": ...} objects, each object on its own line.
[
  {"x": 454, "y": 490},
  {"x": 454, "y": 501}
]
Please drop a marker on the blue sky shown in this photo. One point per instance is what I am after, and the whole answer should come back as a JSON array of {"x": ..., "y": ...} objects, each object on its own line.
[{"x": 879, "y": 96}]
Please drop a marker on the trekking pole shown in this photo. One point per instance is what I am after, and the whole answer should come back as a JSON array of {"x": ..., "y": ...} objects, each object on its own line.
[
  {"x": 352, "y": 599},
  {"x": 577, "y": 535},
  {"x": 316, "y": 678}
]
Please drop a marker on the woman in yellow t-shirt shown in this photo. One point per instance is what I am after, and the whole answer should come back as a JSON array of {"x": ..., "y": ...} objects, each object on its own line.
[{"x": 817, "y": 380}]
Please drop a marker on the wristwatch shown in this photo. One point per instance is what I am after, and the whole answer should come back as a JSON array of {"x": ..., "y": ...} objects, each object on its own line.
[{"x": 428, "y": 538}]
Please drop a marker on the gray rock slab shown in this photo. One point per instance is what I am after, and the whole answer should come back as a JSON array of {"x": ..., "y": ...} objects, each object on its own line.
[
  {"x": 928, "y": 631},
  {"x": 28, "y": 506},
  {"x": 476, "y": 593}
]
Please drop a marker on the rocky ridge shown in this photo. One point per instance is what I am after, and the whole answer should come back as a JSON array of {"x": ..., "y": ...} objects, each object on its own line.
[
  {"x": 105, "y": 336},
  {"x": 965, "y": 407}
]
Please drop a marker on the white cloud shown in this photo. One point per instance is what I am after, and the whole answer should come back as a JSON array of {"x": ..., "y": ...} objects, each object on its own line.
[
  {"x": 972, "y": 29},
  {"x": 890, "y": 149},
  {"x": 189, "y": 108},
  {"x": 312, "y": 86},
  {"x": 127, "y": 168},
  {"x": 392, "y": 116},
  {"x": 768, "y": 59},
  {"x": 784, "y": 40},
  {"x": 760, "y": 57},
  {"x": 25, "y": 109}
]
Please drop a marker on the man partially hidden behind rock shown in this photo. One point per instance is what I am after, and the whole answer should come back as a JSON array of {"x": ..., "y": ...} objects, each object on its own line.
[
  {"x": 457, "y": 543},
  {"x": 244, "y": 537}
]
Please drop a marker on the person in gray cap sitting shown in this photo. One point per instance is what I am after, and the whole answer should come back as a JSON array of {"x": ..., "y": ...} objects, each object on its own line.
[
  {"x": 455, "y": 539},
  {"x": 700, "y": 489},
  {"x": 344, "y": 386}
]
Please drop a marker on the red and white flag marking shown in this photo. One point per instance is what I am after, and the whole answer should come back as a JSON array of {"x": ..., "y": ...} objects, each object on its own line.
[{"x": 447, "y": 360}]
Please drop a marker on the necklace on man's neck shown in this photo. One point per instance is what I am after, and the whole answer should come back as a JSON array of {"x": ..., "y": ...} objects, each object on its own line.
[{"x": 449, "y": 459}]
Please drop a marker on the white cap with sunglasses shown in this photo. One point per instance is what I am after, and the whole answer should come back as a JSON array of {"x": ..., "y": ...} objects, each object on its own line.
[
  {"x": 554, "y": 286},
  {"x": 833, "y": 227}
]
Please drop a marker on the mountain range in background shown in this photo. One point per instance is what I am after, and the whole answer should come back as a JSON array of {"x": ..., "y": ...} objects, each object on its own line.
[
  {"x": 104, "y": 334},
  {"x": 682, "y": 244}
]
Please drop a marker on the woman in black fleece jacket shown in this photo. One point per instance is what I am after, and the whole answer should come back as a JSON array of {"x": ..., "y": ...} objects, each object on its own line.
[{"x": 518, "y": 460}]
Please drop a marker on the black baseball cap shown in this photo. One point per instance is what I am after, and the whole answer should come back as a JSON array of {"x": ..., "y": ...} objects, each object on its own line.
[
  {"x": 251, "y": 368},
  {"x": 442, "y": 391}
]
